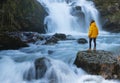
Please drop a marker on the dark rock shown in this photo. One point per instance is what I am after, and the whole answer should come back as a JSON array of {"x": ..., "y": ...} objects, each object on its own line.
[
  {"x": 27, "y": 37},
  {"x": 34, "y": 21},
  {"x": 76, "y": 11},
  {"x": 60, "y": 36},
  {"x": 38, "y": 70},
  {"x": 31, "y": 19},
  {"x": 112, "y": 27},
  {"x": 118, "y": 68},
  {"x": 110, "y": 11},
  {"x": 82, "y": 41},
  {"x": 41, "y": 66},
  {"x": 51, "y": 40},
  {"x": 70, "y": 37},
  {"x": 98, "y": 63},
  {"x": 30, "y": 37},
  {"x": 10, "y": 42},
  {"x": 54, "y": 38},
  {"x": 78, "y": 8},
  {"x": 50, "y": 51}
]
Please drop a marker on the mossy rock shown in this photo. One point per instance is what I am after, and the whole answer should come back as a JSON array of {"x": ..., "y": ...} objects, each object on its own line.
[
  {"x": 9, "y": 42},
  {"x": 98, "y": 63}
]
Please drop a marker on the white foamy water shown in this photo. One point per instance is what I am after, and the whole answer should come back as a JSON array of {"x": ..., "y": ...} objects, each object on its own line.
[
  {"x": 64, "y": 17},
  {"x": 15, "y": 64}
]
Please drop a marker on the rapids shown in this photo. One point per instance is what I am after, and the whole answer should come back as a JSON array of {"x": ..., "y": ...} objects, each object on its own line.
[
  {"x": 63, "y": 17},
  {"x": 15, "y": 63}
]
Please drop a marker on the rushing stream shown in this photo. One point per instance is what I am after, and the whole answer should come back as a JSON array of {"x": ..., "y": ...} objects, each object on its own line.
[
  {"x": 14, "y": 64},
  {"x": 63, "y": 18}
]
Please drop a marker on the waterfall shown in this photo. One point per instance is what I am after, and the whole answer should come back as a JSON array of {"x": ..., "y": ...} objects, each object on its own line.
[{"x": 69, "y": 16}]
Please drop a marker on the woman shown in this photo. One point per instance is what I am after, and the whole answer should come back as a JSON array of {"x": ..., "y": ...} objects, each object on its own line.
[{"x": 93, "y": 33}]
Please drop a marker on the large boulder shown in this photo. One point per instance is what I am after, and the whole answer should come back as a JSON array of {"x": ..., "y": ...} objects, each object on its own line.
[
  {"x": 39, "y": 69},
  {"x": 41, "y": 66},
  {"x": 82, "y": 41},
  {"x": 98, "y": 63},
  {"x": 50, "y": 40},
  {"x": 60, "y": 36},
  {"x": 10, "y": 42},
  {"x": 26, "y": 15},
  {"x": 112, "y": 27},
  {"x": 110, "y": 14},
  {"x": 34, "y": 19}
]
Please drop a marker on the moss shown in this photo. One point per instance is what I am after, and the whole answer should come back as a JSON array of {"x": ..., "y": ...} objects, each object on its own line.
[
  {"x": 16, "y": 14},
  {"x": 110, "y": 14},
  {"x": 109, "y": 8}
]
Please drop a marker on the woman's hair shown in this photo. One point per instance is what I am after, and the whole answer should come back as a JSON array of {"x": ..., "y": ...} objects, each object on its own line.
[{"x": 92, "y": 21}]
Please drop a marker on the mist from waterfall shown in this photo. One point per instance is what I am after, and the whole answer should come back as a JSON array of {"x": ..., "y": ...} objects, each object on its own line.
[{"x": 69, "y": 16}]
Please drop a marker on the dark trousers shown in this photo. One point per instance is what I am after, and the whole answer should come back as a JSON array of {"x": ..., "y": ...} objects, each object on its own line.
[{"x": 90, "y": 42}]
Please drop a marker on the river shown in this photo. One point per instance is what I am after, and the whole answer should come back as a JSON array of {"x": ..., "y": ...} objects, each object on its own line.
[
  {"x": 15, "y": 63},
  {"x": 63, "y": 17}
]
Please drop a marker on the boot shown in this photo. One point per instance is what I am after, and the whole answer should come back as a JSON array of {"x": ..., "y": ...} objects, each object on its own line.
[
  {"x": 89, "y": 49},
  {"x": 94, "y": 49}
]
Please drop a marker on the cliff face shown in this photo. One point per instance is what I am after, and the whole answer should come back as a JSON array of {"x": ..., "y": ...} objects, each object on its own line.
[
  {"x": 110, "y": 12},
  {"x": 21, "y": 15}
]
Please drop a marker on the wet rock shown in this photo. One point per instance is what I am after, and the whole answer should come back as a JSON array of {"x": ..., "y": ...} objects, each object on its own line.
[
  {"x": 41, "y": 66},
  {"x": 98, "y": 63},
  {"x": 60, "y": 36},
  {"x": 31, "y": 37},
  {"x": 10, "y": 42},
  {"x": 78, "y": 8},
  {"x": 27, "y": 37},
  {"x": 112, "y": 27},
  {"x": 51, "y": 40},
  {"x": 118, "y": 68},
  {"x": 82, "y": 41},
  {"x": 76, "y": 11},
  {"x": 38, "y": 69},
  {"x": 50, "y": 51},
  {"x": 70, "y": 37}
]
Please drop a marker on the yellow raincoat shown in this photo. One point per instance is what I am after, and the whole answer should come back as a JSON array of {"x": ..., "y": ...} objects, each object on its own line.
[{"x": 93, "y": 30}]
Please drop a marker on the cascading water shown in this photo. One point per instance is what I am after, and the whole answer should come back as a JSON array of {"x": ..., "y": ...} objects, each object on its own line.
[
  {"x": 17, "y": 66},
  {"x": 69, "y": 16}
]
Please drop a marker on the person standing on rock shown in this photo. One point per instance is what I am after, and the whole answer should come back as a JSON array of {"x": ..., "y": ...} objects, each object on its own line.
[{"x": 92, "y": 34}]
